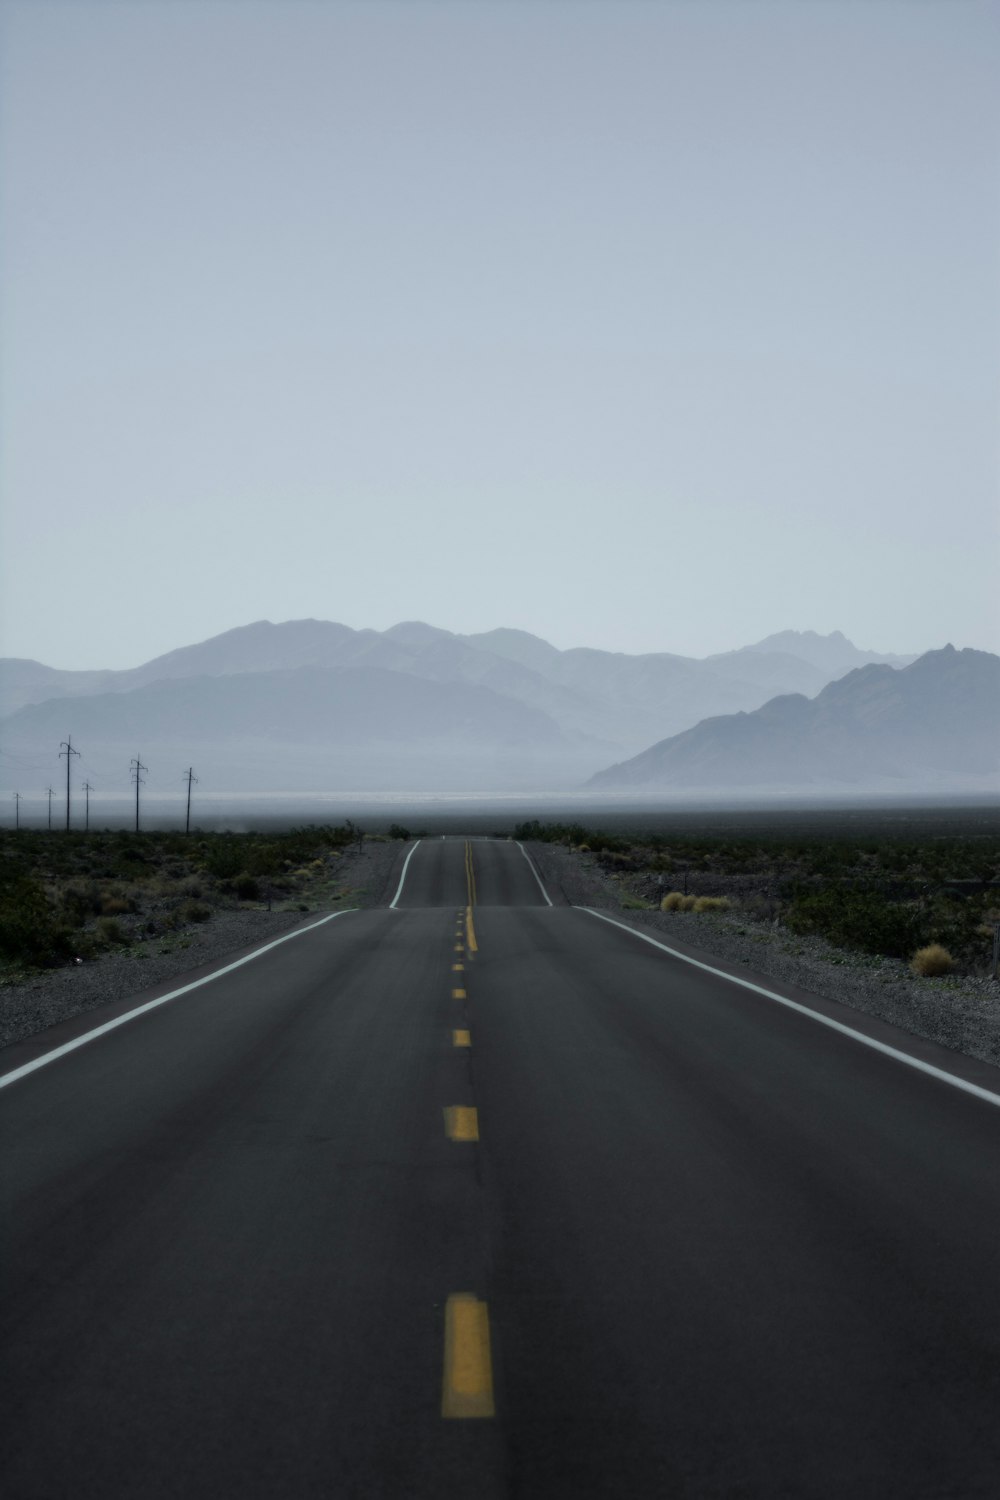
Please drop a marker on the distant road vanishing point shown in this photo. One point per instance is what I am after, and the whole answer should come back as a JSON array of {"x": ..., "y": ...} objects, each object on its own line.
[{"x": 478, "y": 1194}]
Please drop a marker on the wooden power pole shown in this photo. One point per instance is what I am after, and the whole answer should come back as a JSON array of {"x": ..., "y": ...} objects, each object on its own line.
[
  {"x": 189, "y": 773},
  {"x": 137, "y": 769},
  {"x": 66, "y": 749}
]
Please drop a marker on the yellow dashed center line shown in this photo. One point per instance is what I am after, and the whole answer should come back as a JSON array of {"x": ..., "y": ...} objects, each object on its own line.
[
  {"x": 458, "y": 968},
  {"x": 467, "y": 1388},
  {"x": 461, "y": 1037},
  {"x": 470, "y": 874},
  {"x": 461, "y": 1122},
  {"x": 458, "y": 995}
]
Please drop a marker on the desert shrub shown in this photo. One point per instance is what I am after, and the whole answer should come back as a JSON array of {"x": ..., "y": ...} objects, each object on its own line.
[
  {"x": 224, "y": 858},
  {"x": 397, "y": 831},
  {"x": 932, "y": 960},
  {"x": 246, "y": 887},
  {"x": 110, "y": 930},
  {"x": 116, "y": 906},
  {"x": 711, "y": 903},
  {"x": 194, "y": 911},
  {"x": 30, "y": 930},
  {"x": 80, "y": 900},
  {"x": 857, "y": 917}
]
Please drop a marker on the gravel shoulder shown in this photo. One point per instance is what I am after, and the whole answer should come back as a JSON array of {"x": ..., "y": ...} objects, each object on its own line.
[
  {"x": 956, "y": 1012},
  {"x": 55, "y": 995}
]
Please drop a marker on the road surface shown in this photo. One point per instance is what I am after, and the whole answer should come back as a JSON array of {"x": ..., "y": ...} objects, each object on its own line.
[{"x": 480, "y": 1196}]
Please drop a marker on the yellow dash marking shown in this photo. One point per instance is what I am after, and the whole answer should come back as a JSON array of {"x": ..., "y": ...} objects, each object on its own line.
[
  {"x": 461, "y": 1122},
  {"x": 458, "y": 994},
  {"x": 470, "y": 931},
  {"x": 458, "y": 968},
  {"x": 461, "y": 1038},
  {"x": 459, "y": 947},
  {"x": 467, "y": 1389}
]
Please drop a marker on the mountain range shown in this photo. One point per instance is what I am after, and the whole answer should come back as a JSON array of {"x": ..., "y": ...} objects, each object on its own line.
[
  {"x": 934, "y": 723},
  {"x": 312, "y": 704}
]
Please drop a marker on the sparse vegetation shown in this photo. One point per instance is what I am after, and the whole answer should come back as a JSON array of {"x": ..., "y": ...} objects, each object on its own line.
[
  {"x": 68, "y": 896},
  {"x": 864, "y": 891}
]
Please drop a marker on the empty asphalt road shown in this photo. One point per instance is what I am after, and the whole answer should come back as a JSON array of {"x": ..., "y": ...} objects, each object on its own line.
[{"x": 479, "y": 1196}]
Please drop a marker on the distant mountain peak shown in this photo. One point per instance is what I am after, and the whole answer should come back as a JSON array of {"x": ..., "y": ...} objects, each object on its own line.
[
  {"x": 834, "y": 653},
  {"x": 416, "y": 633}
]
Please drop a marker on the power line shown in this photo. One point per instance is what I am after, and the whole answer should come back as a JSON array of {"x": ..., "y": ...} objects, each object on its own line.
[
  {"x": 17, "y": 809},
  {"x": 87, "y": 788},
  {"x": 50, "y": 794},
  {"x": 66, "y": 749}
]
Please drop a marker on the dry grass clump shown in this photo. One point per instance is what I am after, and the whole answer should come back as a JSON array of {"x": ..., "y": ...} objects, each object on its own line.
[
  {"x": 934, "y": 959},
  {"x": 677, "y": 901}
]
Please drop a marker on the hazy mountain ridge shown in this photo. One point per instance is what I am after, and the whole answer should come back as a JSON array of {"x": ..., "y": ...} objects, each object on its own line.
[
  {"x": 933, "y": 722},
  {"x": 503, "y": 703},
  {"x": 621, "y": 699},
  {"x": 309, "y": 726}
]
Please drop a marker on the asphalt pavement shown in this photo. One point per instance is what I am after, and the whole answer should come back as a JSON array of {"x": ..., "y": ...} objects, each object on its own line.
[{"x": 476, "y": 1195}]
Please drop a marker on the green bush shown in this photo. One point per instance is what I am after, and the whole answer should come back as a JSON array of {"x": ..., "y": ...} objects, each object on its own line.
[
  {"x": 110, "y": 931},
  {"x": 30, "y": 930},
  {"x": 856, "y": 917},
  {"x": 246, "y": 887}
]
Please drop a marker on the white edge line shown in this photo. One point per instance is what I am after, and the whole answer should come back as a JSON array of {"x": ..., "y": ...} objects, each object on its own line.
[
  {"x": 399, "y": 888},
  {"x": 88, "y": 1036},
  {"x": 534, "y": 872},
  {"x": 815, "y": 1015}
]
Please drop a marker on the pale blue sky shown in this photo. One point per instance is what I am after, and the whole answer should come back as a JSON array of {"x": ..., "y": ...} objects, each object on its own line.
[{"x": 650, "y": 326}]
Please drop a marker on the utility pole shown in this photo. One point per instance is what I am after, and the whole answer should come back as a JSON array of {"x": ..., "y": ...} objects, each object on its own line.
[
  {"x": 50, "y": 794},
  {"x": 137, "y": 769},
  {"x": 189, "y": 773},
  {"x": 17, "y": 809},
  {"x": 87, "y": 789},
  {"x": 66, "y": 748}
]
